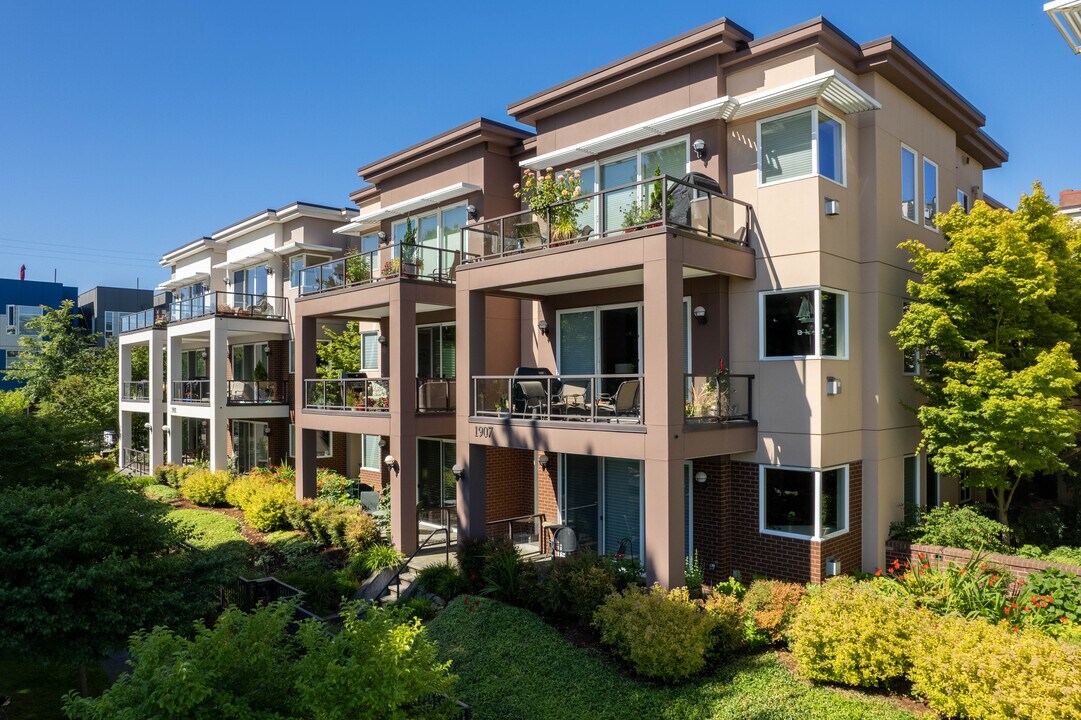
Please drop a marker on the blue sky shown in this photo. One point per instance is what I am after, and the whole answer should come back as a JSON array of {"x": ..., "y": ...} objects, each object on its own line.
[{"x": 129, "y": 128}]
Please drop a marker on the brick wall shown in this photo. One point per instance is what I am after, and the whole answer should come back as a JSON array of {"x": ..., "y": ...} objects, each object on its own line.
[
  {"x": 547, "y": 498},
  {"x": 1019, "y": 567},
  {"x": 712, "y": 512},
  {"x": 510, "y": 482}
]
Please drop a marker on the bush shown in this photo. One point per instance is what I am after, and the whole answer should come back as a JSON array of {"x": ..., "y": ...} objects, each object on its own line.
[
  {"x": 422, "y": 609},
  {"x": 323, "y": 590},
  {"x": 471, "y": 555},
  {"x": 771, "y": 604},
  {"x": 981, "y": 671},
  {"x": 442, "y": 579},
  {"x": 729, "y": 621},
  {"x": 170, "y": 475},
  {"x": 378, "y": 557},
  {"x": 576, "y": 586},
  {"x": 349, "y": 528},
  {"x": 163, "y": 493},
  {"x": 960, "y": 527},
  {"x": 732, "y": 587},
  {"x": 264, "y": 509},
  {"x": 846, "y": 632},
  {"x": 333, "y": 487},
  {"x": 1050, "y": 601},
  {"x": 204, "y": 487},
  {"x": 502, "y": 573},
  {"x": 972, "y": 590},
  {"x": 663, "y": 634},
  {"x": 241, "y": 490}
]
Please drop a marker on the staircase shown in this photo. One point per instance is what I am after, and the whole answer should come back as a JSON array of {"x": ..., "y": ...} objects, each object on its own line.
[{"x": 394, "y": 583}]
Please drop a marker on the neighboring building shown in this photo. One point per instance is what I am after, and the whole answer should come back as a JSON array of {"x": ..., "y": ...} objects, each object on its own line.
[
  {"x": 226, "y": 334},
  {"x": 1069, "y": 203},
  {"x": 1066, "y": 14},
  {"x": 101, "y": 308},
  {"x": 23, "y": 300}
]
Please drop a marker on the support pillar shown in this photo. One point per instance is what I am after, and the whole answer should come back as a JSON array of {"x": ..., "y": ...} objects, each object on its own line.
[
  {"x": 472, "y": 491},
  {"x": 157, "y": 403},
  {"x": 403, "y": 415},
  {"x": 173, "y": 422},
  {"x": 304, "y": 366},
  {"x": 217, "y": 363},
  {"x": 123, "y": 442}
]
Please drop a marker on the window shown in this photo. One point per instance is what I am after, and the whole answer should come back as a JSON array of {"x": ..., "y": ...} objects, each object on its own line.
[
  {"x": 251, "y": 444},
  {"x": 369, "y": 351},
  {"x": 962, "y": 200},
  {"x": 910, "y": 358},
  {"x": 602, "y": 500},
  {"x": 439, "y": 237},
  {"x": 803, "y": 503},
  {"x": 112, "y": 322},
  {"x": 436, "y": 351},
  {"x": 801, "y": 144},
  {"x": 292, "y": 360},
  {"x": 249, "y": 285},
  {"x": 10, "y": 356},
  {"x": 299, "y": 262},
  {"x": 804, "y": 323},
  {"x": 369, "y": 242},
  {"x": 251, "y": 362},
  {"x": 19, "y": 316},
  {"x": 912, "y": 483},
  {"x": 436, "y": 484},
  {"x": 930, "y": 193},
  {"x": 934, "y": 494},
  {"x": 369, "y": 452},
  {"x": 324, "y": 442},
  {"x": 908, "y": 183}
]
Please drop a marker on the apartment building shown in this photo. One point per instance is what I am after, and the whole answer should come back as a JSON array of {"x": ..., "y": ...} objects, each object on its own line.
[
  {"x": 1069, "y": 203},
  {"x": 22, "y": 301},
  {"x": 102, "y": 307},
  {"x": 217, "y": 383}
]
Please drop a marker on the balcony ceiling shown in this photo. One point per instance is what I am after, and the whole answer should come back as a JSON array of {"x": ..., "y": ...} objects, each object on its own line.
[
  {"x": 1066, "y": 14},
  {"x": 586, "y": 283},
  {"x": 382, "y": 311}
]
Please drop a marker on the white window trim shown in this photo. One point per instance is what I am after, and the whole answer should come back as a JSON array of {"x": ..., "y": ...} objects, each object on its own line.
[
  {"x": 928, "y": 223},
  {"x": 363, "y": 453},
  {"x": 815, "y": 110},
  {"x": 596, "y": 309},
  {"x": 918, "y": 460},
  {"x": 439, "y": 211},
  {"x": 375, "y": 335},
  {"x": 917, "y": 199},
  {"x": 818, "y": 323},
  {"x": 818, "y": 536},
  {"x": 637, "y": 155},
  {"x": 963, "y": 200}
]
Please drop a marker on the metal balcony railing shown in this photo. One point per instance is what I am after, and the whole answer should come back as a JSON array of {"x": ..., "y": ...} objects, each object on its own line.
[
  {"x": 136, "y": 390},
  {"x": 348, "y": 394},
  {"x": 662, "y": 202},
  {"x": 143, "y": 320},
  {"x": 137, "y": 461},
  {"x": 436, "y": 395},
  {"x": 719, "y": 397},
  {"x": 222, "y": 303},
  {"x": 191, "y": 391},
  {"x": 389, "y": 261},
  {"x": 582, "y": 398},
  {"x": 255, "y": 392}
]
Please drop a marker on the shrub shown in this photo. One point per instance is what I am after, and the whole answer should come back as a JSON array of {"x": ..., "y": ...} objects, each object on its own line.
[
  {"x": 422, "y": 609},
  {"x": 264, "y": 509},
  {"x": 732, "y": 587},
  {"x": 663, "y": 634},
  {"x": 1064, "y": 554},
  {"x": 164, "y": 493},
  {"x": 168, "y": 475},
  {"x": 771, "y": 604},
  {"x": 502, "y": 572},
  {"x": 378, "y": 557},
  {"x": 331, "y": 525},
  {"x": 576, "y": 585},
  {"x": 972, "y": 590},
  {"x": 729, "y": 620},
  {"x": 846, "y": 632},
  {"x": 442, "y": 579},
  {"x": 981, "y": 671},
  {"x": 323, "y": 590},
  {"x": 960, "y": 527},
  {"x": 1050, "y": 600},
  {"x": 241, "y": 490},
  {"x": 471, "y": 555},
  {"x": 333, "y": 487},
  {"x": 205, "y": 487}
]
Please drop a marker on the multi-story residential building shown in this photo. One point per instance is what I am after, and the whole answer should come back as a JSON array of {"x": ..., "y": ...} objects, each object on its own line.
[
  {"x": 101, "y": 308},
  {"x": 743, "y": 202},
  {"x": 219, "y": 384},
  {"x": 1069, "y": 203},
  {"x": 23, "y": 300}
]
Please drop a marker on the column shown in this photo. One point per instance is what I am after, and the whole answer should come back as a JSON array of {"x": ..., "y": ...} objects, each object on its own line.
[
  {"x": 403, "y": 411},
  {"x": 472, "y": 494},
  {"x": 157, "y": 405},
  {"x": 217, "y": 363},
  {"x": 304, "y": 367},
  {"x": 125, "y": 438},
  {"x": 123, "y": 442},
  {"x": 176, "y": 437}
]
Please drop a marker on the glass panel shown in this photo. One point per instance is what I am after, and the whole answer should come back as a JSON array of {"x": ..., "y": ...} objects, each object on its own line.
[
  {"x": 830, "y": 159},
  {"x": 587, "y": 215},
  {"x": 908, "y": 184},
  {"x": 448, "y": 357},
  {"x": 617, "y": 204},
  {"x": 618, "y": 346},
  {"x": 577, "y": 355},
  {"x": 930, "y": 193},
  {"x": 450, "y": 494},
  {"x": 369, "y": 351},
  {"x": 429, "y": 473},
  {"x": 453, "y": 221},
  {"x": 833, "y": 501},
  {"x": 241, "y": 364},
  {"x": 789, "y": 500},
  {"x": 833, "y": 324},
  {"x": 786, "y": 147},
  {"x": 261, "y": 443},
  {"x": 688, "y": 506},
  {"x": 912, "y": 480},
  {"x": 789, "y": 324},
  {"x": 668, "y": 160},
  {"x": 580, "y": 499},
  {"x": 622, "y": 505},
  {"x": 324, "y": 443},
  {"x": 26, "y": 314},
  {"x": 425, "y": 345},
  {"x": 369, "y": 242}
]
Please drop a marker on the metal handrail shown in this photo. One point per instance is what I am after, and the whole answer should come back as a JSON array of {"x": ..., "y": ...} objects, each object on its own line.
[
  {"x": 559, "y": 405},
  {"x": 521, "y": 518},
  {"x": 138, "y": 390},
  {"x": 392, "y": 260},
  {"x": 396, "y": 578},
  {"x": 136, "y": 460},
  {"x": 255, "y": 392},
  {"x": 193, "y": 391},
  {"x": 724, "y": 407},
  {"x": 156, "y": 317},
  {"x": 227, "y": 303},
  {"x": 347, "y": 394}
]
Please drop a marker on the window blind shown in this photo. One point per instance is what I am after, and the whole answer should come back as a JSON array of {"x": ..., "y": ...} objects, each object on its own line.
[
  {"x": 429, "y": 473},
  {"x": 580, "y": 498},
  {"x": 370, "y": 452},
  {"x": 369, "y": 351},
  {"x": 576, "y": 343},
  {"x": 622, "y": 505},
  {"x": 447, "y": 352},
  {"x": 786, "y": 148}
]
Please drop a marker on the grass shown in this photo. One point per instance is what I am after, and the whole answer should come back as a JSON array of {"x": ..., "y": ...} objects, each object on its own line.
[
  {"x": 513, "y": 666},
  {"x": 36, "y": 691},
  {"x": 220, "y": 536},
  {"x": 162, "y": 493}
]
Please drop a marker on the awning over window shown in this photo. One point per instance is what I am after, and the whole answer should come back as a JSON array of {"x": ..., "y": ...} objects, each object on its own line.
[
  {"x": 369, "y": 220},
  {"x": 1066, "y": 14}
]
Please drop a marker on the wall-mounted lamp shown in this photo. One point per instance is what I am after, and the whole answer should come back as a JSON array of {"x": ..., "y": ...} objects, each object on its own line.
[
  {"x": 833, "y": 386},
  {"x": 833, "y": 566},
  {"x": 699, "y": 148},
  {"x": 471, "y": 211},
  {"x": 382, "y": 442},
  {"x": 700, "y": 477},
  {"x": 832, "y": 207},
  {"x": 266, "y": 431},
  {"x": 542, "y": 325},
  {"x": 149, "y": 426},
  {"x": 699, "y": 314},
  {"x": 382, "y": 339},
  {"x": 269, "y": 270},
  {"x": 391, "y": 463},
  {"x": 382, "y": 236},
  {"x": 228, "y": 280},
  {"x": 542, "y": 459},
  {"x": 458, "y": 471}
]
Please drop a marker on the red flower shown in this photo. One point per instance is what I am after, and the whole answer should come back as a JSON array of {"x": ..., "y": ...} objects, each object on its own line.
[
  {"x": 878, "y": 573},
  {"x": 994, "y": 578},
  {"x": 889, "y": 570},
  {"x": 1063, "y": 619},
  {"x": 922, "y": 556},
  {"x": 1005, "y": 611},
  {"x": 720, "y": 365}
]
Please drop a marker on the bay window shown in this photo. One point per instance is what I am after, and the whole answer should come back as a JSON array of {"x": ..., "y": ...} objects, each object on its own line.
[
  {"x": 908, "y": 183},
  {"x": 803, "y": 503},
  {"x": 804, "y": 323},
  {"x": 930, "y": 193},
  {"x": 801, "y": 144}
]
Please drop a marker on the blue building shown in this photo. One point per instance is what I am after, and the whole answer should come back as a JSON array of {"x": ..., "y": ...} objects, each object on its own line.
[{"x": 22, "y": 301}]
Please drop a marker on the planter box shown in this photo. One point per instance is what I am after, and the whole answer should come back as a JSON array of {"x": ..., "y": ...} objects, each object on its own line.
[{"x": 1019, "y": 567}]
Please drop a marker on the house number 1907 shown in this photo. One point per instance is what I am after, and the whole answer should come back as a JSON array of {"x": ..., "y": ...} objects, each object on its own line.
[{"x": 482, "y": 431}]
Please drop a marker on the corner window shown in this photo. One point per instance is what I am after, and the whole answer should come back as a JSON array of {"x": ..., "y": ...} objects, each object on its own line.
[
  {"x": 111, "y": 323},
  {"x": 908, "y": 183},
  {"x": 962, "y": 200},
  {"x": 811, "y": 504},
  {"x": 804, "y": 323},
  {"x": 801, "y": 144},
  {"x": 19, "y": 316},
  {"x": 369, "y": 452},
  {"x": 930, "y": 193},
  {"x": 299, "y": 262},
  {"x": 369, "y": 351}
]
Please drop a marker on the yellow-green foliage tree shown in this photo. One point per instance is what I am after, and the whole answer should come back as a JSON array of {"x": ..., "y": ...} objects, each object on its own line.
[{"x": 995, "y": 319}]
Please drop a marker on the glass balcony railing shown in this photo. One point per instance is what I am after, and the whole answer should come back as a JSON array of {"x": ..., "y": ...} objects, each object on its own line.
[
  {"x": 143, "y": 320},
  {"x": 348, "y": 394},
  {"x": 661, "y": 202},
  {"x": 720, "y": 397},
  {"x": 386, "y": 262},
  {"x": 256, "y": 392},
  {"x": 191, "y": 391},
  {"x": 138, "y": 390},
  {"x": 436, "y": 395},
  {"x": 223, "y": 303},
  {"x": 582, "y": 398}
]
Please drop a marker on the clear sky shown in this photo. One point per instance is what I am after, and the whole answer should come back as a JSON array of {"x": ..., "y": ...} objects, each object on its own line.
[{"x": 130, "y": 128}]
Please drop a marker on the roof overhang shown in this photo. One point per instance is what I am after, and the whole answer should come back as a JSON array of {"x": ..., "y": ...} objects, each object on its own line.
[
  {"x": 295, "y": 247},
  {"x": 186, "y": 251},
  {"x": 830, "y": 86},
  {"x": 252, "y": 259},
  {"x": 367, "y": 221},
  {"x": 176, "y": 282},
  {"x": 1066, "y": 14}
]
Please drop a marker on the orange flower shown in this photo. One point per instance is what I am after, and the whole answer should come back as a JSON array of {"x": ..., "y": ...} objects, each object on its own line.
[{"x": 878, "y": 573}]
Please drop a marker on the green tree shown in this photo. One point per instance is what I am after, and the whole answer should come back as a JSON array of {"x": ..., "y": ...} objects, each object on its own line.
[
  {"x": 87, "y": 398},
  {"x": 250, "y": 666},
  {"x": 46, "y": 450},
  {"x": 58, "y": 350},
  {"x": 341, "y": 353},
  {"x": 995, "y": 320}
]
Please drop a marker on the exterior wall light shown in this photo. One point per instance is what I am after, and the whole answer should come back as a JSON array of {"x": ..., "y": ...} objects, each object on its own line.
[
  {"x": 833, "y": 386},
  {"x": 833, "y": 207},
  {"x": 458, "y": 471},
  {"x": 382, "y": 236},
  {"x": 699, "y": 314},
  {"x": 149, "y": 426},
  {"x": 391, "y": 463},
  {"x": 471, "y": 211},
  {"x": 699, "y": 148},
  {"x": 700, "y": 477},
  {"x": 542, "y": 459},
  {"x": 383, "y": 340},
  {"x": 542, "y": 325}
]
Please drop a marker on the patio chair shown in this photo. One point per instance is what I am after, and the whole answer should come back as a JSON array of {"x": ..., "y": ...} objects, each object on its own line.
[
  {"x": 623, "y": 403},
  {"x": 369, "y": 500},
  {"x": 534, "y": 396},
  {"x": 564, "y": 542},
  {"x": 529, "y": 235},
  {"x": 571, "y": 400}
]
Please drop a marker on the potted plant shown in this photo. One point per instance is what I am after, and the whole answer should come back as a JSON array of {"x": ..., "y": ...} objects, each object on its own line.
[
  {"x": 555, "y": 196},
  {"x": 502, "y": 407},
  {"x": 693, "y": 575},
  {"x": 638, "y": 217},
  {"x": 409, "y": 249},
  {"x": 357, "y": 267},
  {"x": 391, "y": 268}
]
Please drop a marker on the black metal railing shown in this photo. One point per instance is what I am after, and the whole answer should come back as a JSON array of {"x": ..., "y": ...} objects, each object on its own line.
[
  {"x": 436, "y": 395},
  {"x": 348, "y": 394},
  {"x": 584, "y": 398},
  {"x": 138, "y": 461},
  {"x": 135, "y": 390},
  {"x": 231, "y": 304},
  {"x": 144, "y": 319},
  {"x": 191, "y": 391},
  {"x": 660, "y": 202},
  {"x": 718, "y": 397},
  {"x": 522, "y": 530},
  {"x": 256, "y": 392},
  {"x": 390, "y": 261}
]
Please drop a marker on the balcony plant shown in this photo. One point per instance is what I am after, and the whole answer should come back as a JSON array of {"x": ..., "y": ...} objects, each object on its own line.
[
  {"x": 409, "y": 263},
  {"x": 554, "y": 195},
  {"x": 357, "y": 266},
  {"x": 647, "y": 214},
  {"x": 502, "y": 406},
  {"x": 391, "y": 267}
]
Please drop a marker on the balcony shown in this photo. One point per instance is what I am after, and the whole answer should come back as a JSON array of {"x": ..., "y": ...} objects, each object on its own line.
[
  {"x": 436, "y": 395},
  {"x": 143, "y": 320},
  {"x": 662, "y": 203},
  {"x": 191, "y": 391},
  {"x": 387, "y": 262},
  {"x": 572, "y": 398},
  {"x": 347, "y": 394},
  {"x": 137, "y": 390},
  {"x": 256, "y": 392},
  {"x": 718, "y": 398},
  {"x": 229, "y": 304}
]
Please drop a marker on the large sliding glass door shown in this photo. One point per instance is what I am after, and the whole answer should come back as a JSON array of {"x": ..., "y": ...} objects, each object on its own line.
[
  {"x": 601, "y": 341},
  {"x": 601, "y": 500},
  {"x": 436, "y": 351},
  {"x": 435, "y": 476},
  {"x": 616, "y": 204},
  {"x": 251, "y": 444}
]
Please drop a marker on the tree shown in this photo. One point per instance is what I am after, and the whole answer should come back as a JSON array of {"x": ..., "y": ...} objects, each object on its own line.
[
  {"x": 250, "y": 666},
  {"x": 46, "y": 450},
  {"x": 341, "y": 353},
  {"x": 995, "y": 319},
  {"x": 87, "y": 398}
]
